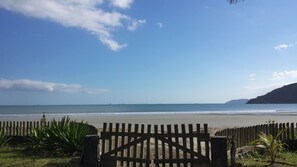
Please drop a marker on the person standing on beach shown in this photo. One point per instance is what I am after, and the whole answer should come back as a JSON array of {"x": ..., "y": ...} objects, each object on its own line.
[{"x": 43, "y": 120}]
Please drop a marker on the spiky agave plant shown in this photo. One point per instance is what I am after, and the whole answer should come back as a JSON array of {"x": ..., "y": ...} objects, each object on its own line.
[
  {"x": 67, "y": 135},
  {"x": 64, "y": 136},
  {"x": 38, "y": 138},
  {"x": 269, "y": 144}
]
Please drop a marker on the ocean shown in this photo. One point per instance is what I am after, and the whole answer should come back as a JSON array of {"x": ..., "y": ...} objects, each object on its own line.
[
  {"x": 135, "y": 109},
  {"x": 216, "y": 115}
]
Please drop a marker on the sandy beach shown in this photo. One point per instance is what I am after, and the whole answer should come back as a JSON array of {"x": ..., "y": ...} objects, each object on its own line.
[
  {"x": 215, "y": 122},
  {"x": 219, "y": 121}
]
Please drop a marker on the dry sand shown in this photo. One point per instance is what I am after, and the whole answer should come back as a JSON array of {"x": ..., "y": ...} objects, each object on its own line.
[{"x": 213, "y": 121}]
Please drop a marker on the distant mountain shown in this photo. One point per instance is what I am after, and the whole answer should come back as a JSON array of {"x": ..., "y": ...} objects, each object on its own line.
[
  {"x": 285, "y": 94},
  {"x": 238, "y": 101}
]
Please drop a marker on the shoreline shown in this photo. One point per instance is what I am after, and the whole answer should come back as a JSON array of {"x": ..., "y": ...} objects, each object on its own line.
[{"x": 218, "y": 121}]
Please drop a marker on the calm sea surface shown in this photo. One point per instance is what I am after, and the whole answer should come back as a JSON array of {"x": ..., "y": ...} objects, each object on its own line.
[{"x": 8, "y": 111}]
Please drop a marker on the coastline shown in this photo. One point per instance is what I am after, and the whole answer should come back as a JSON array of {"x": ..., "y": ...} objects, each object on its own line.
[{"x": 217, "y": 121}]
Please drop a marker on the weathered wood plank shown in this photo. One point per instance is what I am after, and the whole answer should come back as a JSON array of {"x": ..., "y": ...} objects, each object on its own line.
[
  {"x": 110, "y": 138},
  {"x": 31, "y": 127},
  {"x": 170, "y": 146},
  {"x": 184, "y": 139},
  {"x": 198, "y": 138},
  {"x": 207, "y": 141},
  {"x": 10, "y": 128},
  {"x": 288, "y": 131},
  {"x": 116, "y": 140},
  {"x": 129, "y": 140},
  {"x": 136, "y": 126},
  {"x": 292, "y": 131},
  {"x": 177, "y": 141},
  {"x": 103, "y": 140},
  {"x": 123, "y": 142},
  {"x": 18, "y": 128},
  {"x": 280, "y": 129},
  {"x": 156, "y": 146},
  {"x": 163, "y": 145},
  {"x": 28, "y": 128},
  {"x": 148, "y": 145},
  {"x": 141, "y": 145},
  {"x": 13, "y": 128},
  {"x": 190, "y": 126}
]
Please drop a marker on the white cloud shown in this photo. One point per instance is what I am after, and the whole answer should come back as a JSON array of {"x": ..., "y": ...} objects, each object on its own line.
[
  {"x": 252, "y": 77},
  {"x": 124, "y": 4},
  {"x": 282, "y": 47},
  {"x": 285, "y": 75},
  {"x": 40, "y": 86},
  {"x": 112, "y": 44},
  {"x": 84, "y": 14},
  {"x": 135, "y": 24},
  {"x": 160, "y": 25}
]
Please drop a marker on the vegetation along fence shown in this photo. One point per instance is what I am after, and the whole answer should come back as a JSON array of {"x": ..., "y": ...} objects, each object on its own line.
[
  {"x": 244, "y": 135},
  {"x": 23, "y": 128},
  {"x": 170, "y": 145}
]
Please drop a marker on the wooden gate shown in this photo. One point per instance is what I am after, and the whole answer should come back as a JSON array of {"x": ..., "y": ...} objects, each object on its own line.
[{"x": 140, "y": 145}]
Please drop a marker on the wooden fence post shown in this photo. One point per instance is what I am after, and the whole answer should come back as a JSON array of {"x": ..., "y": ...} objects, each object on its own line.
[
  {"x": 90, "y": 154},
  {"x": 288, "y": 131},
  {"x": 292, "y": 131},
  {"x": 232, "y": 149},
  {"x": 219, "y": 151}
]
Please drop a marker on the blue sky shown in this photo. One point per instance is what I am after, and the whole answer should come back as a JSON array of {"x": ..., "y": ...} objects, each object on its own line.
[{"x": 140, "y": 51}]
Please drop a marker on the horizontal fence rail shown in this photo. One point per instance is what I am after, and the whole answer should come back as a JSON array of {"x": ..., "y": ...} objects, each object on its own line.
[{"x": 245, "y": 135}]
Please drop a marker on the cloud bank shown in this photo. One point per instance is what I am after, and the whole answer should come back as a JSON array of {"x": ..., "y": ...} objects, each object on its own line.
[
  {"x": 85, "y": 14},
  {"x": 284, "y": 75},
  {"x": 40, "y": 86}
]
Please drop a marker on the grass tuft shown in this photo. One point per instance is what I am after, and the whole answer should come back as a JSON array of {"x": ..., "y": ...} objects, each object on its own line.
[{"x": 284, "y": 159}]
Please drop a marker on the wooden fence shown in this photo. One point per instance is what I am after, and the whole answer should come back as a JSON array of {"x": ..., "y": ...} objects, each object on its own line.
[
  {"x": 165, "y": 145},
  {"x": 23, "y": 128},
  {"x": 20, "y": 128},
  {"x": 244, "y": 135}
]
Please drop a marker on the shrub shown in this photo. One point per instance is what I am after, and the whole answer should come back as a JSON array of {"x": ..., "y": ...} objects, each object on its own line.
[
  {"x": 269, "y": 145},
  {"x": 62, "y": 137}
]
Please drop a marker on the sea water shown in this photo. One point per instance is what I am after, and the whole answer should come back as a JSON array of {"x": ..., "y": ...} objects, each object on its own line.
[{"x": 7, "y": 112}]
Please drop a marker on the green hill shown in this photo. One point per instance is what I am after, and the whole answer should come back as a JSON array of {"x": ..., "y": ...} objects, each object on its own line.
[{"x": 285, "y": 94}]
